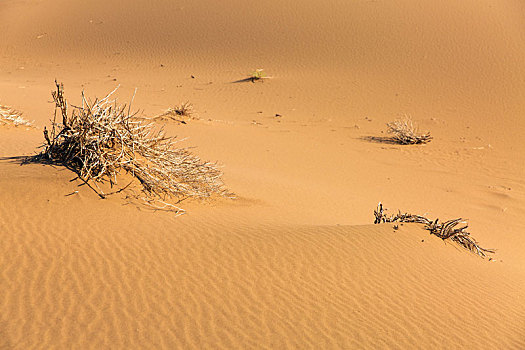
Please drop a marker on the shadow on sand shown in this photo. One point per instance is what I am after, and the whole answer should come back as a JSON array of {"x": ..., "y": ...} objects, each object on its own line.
[
  {"x": 21, "y": 160},
  {"x": 39, "y": 159},
  {"x": 245, "y": 80},
  {"x": 380, "y": 139}
]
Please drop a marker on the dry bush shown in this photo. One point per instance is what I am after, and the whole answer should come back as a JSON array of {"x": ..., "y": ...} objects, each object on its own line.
[
  {"x": 406, "y": 133},
  {"x": 100, "y": 139},
  {"x": 10, "y": 116},
  {"x": 445, "y": 230}
]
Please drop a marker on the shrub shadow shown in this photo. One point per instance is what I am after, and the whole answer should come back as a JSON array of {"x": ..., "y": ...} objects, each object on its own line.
[
  {"x": 245, "y": 80},
  {"x": 21, "y": 160},
  {"x": 380, "y": 139}
]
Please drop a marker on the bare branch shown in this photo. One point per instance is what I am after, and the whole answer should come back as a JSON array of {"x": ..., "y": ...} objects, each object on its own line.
[{"x": 445, "y": 230}]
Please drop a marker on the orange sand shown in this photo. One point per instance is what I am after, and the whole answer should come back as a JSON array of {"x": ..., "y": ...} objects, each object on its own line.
[{"x": 294, "y": 261}]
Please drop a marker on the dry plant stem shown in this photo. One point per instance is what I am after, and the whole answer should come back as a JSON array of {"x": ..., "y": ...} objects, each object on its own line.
[
  {"x": 99, "y": 139},
  {"x": 404, "y": 132},
  {"x": 445, "y": 230},
  {"x": 163, "y": 206}
]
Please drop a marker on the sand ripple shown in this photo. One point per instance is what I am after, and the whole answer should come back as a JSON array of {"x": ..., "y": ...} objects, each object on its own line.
[{"x": 83, "y": 278}]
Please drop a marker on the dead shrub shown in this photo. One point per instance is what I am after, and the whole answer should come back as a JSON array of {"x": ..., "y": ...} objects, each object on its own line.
[
  {"x": 406, "y": 133},
  {"x": 100, "y": 139},
  {"x": 444, "y": 230}
]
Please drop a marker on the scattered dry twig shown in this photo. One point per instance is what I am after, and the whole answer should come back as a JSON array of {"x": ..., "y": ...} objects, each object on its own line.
[
  {"x": 99, "y": 139},
  {"x": 10, "y": 116},
  {"x": 406, "y": 133},
  {"x": 444, "y": 230}
]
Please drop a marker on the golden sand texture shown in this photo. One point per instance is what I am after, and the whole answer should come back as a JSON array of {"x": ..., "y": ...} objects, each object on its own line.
[{"x": 294, "y": 261}]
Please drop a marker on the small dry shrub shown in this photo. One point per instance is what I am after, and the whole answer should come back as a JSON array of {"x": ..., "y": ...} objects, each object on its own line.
[
  {"x": 406, "y": 133},
  {"x": 100, "y": 139},
  {"x": 257, "y": 74},
  {"x": 179, "y": 113},
  {"x": 10, "y": 116}
]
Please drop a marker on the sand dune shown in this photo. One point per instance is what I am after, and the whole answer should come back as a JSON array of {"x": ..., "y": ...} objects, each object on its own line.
[
  {"x": 219, "y": 282},
  {"x": 293, "y": 262}
]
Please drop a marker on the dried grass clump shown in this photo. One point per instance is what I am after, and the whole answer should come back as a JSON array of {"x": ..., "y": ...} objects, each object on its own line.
[
  {"x": 100, "y": 139},
  {"x": 406, "y": 133},
  {"x": 444, "y": 230},
  {"x": 10, "y": 116},
  {"x": 178, "y": 113}
]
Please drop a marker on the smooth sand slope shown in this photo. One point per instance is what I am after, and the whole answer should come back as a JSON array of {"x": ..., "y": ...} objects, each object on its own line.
[{"x": 294, "y": 262}]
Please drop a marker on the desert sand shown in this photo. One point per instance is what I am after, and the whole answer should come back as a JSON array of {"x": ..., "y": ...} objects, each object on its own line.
[{"x": 294, "y": 262}]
